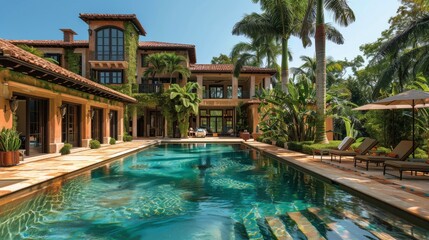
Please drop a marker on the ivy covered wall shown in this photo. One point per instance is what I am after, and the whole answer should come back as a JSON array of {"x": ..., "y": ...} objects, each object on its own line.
[{"x": 72, "y": 60}]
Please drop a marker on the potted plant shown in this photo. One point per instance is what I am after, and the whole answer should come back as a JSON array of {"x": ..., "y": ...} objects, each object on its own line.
[{"x": 9, "y": 146}]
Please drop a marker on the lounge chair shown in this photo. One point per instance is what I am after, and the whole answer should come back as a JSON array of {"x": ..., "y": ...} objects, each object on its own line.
[
  {"x": 344, "y": 145},
  {"x": 406, "y": 166},
  {"x": 363, "y": 149},
  {"x": 399, "y": 153}
]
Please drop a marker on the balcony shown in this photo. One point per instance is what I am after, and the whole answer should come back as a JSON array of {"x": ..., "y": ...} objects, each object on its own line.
[{"x": 150, "y": 88}]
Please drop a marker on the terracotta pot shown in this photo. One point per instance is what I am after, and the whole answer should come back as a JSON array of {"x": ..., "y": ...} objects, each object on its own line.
[{"x": 8, "y": 159}]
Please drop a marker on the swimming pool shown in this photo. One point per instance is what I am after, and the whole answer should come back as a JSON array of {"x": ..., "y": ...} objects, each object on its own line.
[{"x": 198, "y": 191}]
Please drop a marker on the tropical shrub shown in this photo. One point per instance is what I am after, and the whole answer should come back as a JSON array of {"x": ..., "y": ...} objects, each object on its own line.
[
  {"x": 94, "y": 144},
  {"x": 66, "y": 149},
  {"x": 112, "y": 141},
  {"x": 127, "y": 138},
  {"x": 185, "y": 102},
  {"x": 9, "y": 140}
]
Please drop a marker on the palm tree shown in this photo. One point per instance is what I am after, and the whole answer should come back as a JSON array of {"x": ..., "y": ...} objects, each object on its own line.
[
  {"x": 185, "y": 102},
  {"x": 260, "y": 49},
  {"x": 314, "y": 15},
  {"x": 37, "y": 52},
  {"x": 157, "y": 65},
  {"x": 174, "y": 64},
  {"x": 408, "y": 49},
  {"x": 280, "y": 19}
]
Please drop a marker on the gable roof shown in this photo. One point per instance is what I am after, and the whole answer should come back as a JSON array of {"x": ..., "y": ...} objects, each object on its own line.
[
  {"x": 151, "y": 45},
  {"x": 19, "y": 60},
  {"x": 228, "y": 68},
  {"x": 87, "y": 17}
]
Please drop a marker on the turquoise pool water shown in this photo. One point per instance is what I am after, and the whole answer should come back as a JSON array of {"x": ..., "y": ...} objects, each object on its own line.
[{"x": 198, "y": 191}]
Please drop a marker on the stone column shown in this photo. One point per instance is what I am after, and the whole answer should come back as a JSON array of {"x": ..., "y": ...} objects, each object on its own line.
[
  {"x": 252, "y": 86},
  {"x": 106, "y": 125},
  {"x": 267, "y": 83},
  {"x": 121, "y": 122},
  {"x": 55, "y": 122},
  {"x": 234, "y": 88},
  {"x": 135, "y": 122},
  {"x": 201, "y": 86},
  {"x": 86, "y": 126}
]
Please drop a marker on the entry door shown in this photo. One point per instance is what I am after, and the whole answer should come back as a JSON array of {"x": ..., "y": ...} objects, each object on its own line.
[
  {"x": 97, "y": 124},
  {"x": 114, "y": 125},
  {"x": 71, "y": 125}
]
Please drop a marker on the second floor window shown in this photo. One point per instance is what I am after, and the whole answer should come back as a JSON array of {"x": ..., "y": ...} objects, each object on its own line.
[
  {"x": 110, "y": 77},
  {"x": 55, "y": 56},
  {"x": 239, "y": 92},
  {"x": 216, "y": 92},
  {"x": 110, "y": 44}
]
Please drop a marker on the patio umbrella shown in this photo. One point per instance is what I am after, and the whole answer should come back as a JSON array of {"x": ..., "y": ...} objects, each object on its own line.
[{"x": 412, "y": 99}]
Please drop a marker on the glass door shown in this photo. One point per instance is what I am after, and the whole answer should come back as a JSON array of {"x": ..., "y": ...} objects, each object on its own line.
[
  {"x": 97, "y": 124},
  {"x": 70, "y": 127},
  {"x": 113, "y": 115}
]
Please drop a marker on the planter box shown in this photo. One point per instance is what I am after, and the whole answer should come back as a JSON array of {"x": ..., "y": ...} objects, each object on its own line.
[
  {"x": 8, "y": 159},
  {"x": 245, "y": 135}
]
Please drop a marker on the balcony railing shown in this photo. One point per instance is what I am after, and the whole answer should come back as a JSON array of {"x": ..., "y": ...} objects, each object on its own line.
[
  {"x": 244, "y": 95},
  {"x": 150, "y": 88}
]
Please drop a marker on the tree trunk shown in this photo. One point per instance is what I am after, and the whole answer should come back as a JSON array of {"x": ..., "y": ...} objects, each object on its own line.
[
  {"x": 320, "y": 40},
  {"x": 285, "y": 67}
]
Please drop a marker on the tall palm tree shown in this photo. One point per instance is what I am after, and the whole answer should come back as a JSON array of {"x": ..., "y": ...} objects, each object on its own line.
[
  {"x": 185, "y": 102},
  {"x": 314, "y": 15},
  {"x": 157, "y": 65},
  {"x": 408, "y": 49},
  {"x": 260, "y": 49},
  {"x": 174, "y": 64},
  {"x": 280, "y": 19}
]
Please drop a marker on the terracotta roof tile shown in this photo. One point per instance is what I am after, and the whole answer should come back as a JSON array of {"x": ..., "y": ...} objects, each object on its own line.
[
  {"x": 9, "y": 50},
  {"x": 51, "y": 43},
  {"x": 114, "y": 17},
  {"x": 227, "y": 68},
  {"x": 171, "y": 46}
]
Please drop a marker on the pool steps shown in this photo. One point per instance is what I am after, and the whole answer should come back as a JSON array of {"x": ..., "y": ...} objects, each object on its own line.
[{"x": 279, "y": 228}]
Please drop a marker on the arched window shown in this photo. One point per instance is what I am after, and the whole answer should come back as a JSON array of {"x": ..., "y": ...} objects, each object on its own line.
[{"x": 110, "y": 44}]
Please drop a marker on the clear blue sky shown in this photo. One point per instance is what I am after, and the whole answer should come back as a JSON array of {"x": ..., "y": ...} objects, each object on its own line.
[{"x": 204, "y": 23}]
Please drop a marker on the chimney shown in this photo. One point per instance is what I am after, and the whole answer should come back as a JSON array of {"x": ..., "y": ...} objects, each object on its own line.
[{"x": 68, "y": 34}]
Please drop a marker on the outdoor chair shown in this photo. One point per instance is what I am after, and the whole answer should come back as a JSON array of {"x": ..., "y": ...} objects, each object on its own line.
[
  {"x": 399, "y": 153},
  {"x": 402, "y": 166},
  {"x": 363, "y": 149},
  {"x": 344, "y": 145}
]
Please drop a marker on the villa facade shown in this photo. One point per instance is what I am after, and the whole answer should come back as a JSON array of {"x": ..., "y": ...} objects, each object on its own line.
[
  {"x": 49, "y": 105},
  {"x": 114, "y": 56}
]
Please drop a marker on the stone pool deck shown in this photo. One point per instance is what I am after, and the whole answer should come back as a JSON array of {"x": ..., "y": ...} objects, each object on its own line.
[{"x": 410, "y": 196}]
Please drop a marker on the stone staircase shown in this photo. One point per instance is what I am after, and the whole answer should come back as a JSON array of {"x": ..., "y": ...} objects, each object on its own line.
[{"x": 312, "y": 223}]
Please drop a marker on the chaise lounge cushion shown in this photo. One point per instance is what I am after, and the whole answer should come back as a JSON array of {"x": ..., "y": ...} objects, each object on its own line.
[
  {"x": 402, "y": 151},
  {"x": 411, "y": 166},
  {"x": 363, "y": 148}
]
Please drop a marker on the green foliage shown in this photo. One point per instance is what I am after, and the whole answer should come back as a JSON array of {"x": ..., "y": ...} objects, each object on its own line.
[
  {"x": 222, "y": 59},
  {"x": 72, "y": 60},
  {"x": 298, "y": 146},
  {"x": 308, "y": 149},
  {"x": 94, "y": 144},
  {"x": 37, "y": 52},
  {"x": 66, "y": 149},
  {"x": 166, "y": 63},
  {"x": 131, "y": 41},
  {"x": 185, "y": 102},
  {"x": 112, "y": 141},
  {"x": 9, "y": 140},
  {"x": 242, "y": 120},
  {"x": 127, "y": 138}
]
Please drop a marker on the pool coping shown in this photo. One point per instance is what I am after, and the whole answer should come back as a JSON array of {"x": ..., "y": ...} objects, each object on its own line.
[
  {"x": 406, "y": 205},
  {"x": 29, "y": 189}
]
